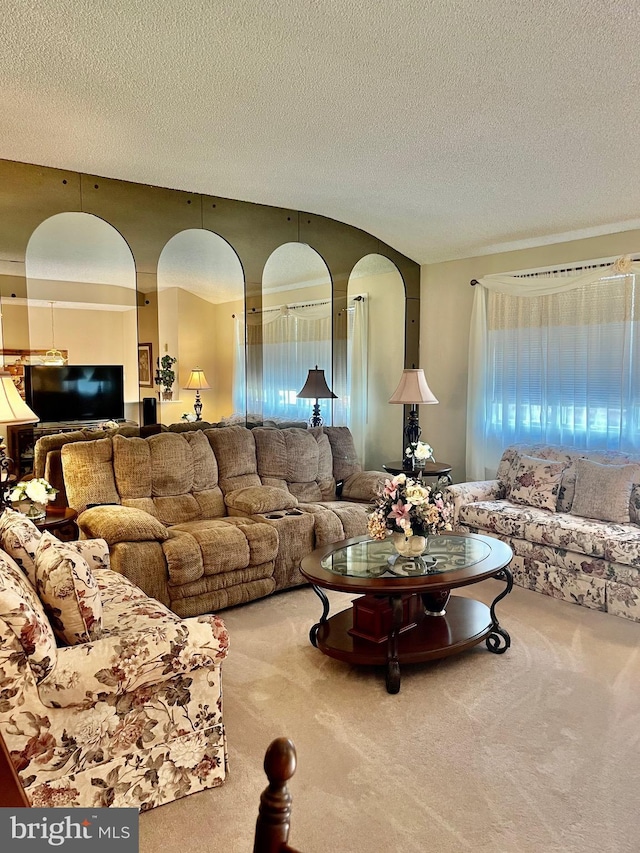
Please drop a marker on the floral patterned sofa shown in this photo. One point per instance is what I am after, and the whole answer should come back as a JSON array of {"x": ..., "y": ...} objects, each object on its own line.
[
  {"x": 572, "y": 518},
  {"x": 107, "y": 698}
]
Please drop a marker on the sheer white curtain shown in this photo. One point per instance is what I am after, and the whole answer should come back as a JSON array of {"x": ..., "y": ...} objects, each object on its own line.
[
  {"x": 239, "y": 367},
  {"x": 357, "y": 375},
  {"x": 294, "y": 340},
  {"x": 554, "y": 358}
]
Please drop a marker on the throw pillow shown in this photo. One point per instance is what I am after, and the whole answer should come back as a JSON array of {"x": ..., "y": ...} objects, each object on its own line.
[
  {"x": 22, "y": 610},
  {"x": 260, "y": 499},
  {"x": 19, "y": 537},
  {"x": 537, "y": 482},
  {"x": 68, "y": 591},
  {"x": 604, "y": 491}
]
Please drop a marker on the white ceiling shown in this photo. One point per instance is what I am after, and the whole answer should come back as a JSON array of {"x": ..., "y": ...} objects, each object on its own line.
[{"x": 448, "y": 128}]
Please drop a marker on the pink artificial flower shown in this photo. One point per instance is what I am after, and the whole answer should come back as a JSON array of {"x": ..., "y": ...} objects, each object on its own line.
[
  {"x": 399, "y": 511},
  {"x": 389, "y": 489}
]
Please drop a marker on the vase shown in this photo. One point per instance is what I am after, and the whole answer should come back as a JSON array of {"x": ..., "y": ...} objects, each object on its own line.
[
  {"x": 409, "y": 546},
  {"x": 33, "y": 510},
  {"x": 167, "y": 395}
]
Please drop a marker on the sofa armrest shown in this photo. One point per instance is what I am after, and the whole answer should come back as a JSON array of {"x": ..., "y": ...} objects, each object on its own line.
[
  {"x": 116, "y": 523},
  {"x": 91, "y": 672},
  {"x": 460, "y": 494},
  {"x": 364, "y": 486},
  {"x": 257, "y": 499}
]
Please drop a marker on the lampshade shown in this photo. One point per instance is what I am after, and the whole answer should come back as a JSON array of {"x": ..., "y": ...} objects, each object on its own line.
[
  {"x": 316, "y": 388},
  {"x": 413, "y": 388},
  {"x": 13, "y": 409},
  {"x": 197, "y": 381}
]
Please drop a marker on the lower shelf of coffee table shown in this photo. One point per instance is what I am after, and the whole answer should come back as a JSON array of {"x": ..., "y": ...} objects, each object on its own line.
[{"x": 466, "y": 623}]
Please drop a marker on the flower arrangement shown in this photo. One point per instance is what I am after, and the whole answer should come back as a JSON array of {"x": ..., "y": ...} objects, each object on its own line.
[
  {"x": 420, "y": 450},
  {"x": 38, "y": 490},
  {"x": 408, "y": 507},
  {"x": 189, "y": 417}
]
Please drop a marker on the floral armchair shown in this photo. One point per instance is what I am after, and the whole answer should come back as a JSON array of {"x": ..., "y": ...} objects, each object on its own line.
[{"x": 107, "y": 698}]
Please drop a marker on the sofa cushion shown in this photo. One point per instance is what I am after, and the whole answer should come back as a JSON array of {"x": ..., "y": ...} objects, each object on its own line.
[
  {"x": 19, "y": 537},
  {"x": 131, "y": 467},
  {"x": 205, "y": 464},
  {"x": 257, "y": 499},
  {"x": 68, "y": 591},
  {"x": 22, "y": 610},
  {"x": 537, "y": 482},
  {"x": 365, "y": 486},
  {"x": 88, "y": 473},
  {"x": 121, "y": 524},
  {"x": 235, "y": 452},
  {"x": 343, "y": 449},
  {"x": 617, "y": 543},
  {"x": 296, "y": 459},
  {"x": 604, "y": 491}
]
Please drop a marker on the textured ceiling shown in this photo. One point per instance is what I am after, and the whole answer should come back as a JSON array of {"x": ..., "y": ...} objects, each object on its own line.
[{"x": 447, "y": 128}]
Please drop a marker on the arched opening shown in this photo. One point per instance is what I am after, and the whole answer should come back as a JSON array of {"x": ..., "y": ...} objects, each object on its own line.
[
  {"x": 81, "y": 303},
  {"x": 375, "y": 301},
  {"x": 200, "y": 289},
  {"x": 294, "y": 334}
]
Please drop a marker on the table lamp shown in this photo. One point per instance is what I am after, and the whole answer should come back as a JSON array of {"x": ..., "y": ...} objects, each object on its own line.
[
  {"x": 197, "y": 382},
  {"x": 412, "y": 390},
  {"x": 316, "y": 388},
  {"x": 13, "y": 411}
]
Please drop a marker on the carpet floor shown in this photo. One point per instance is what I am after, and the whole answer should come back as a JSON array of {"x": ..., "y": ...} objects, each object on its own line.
[{"x": 533, "y": 751}]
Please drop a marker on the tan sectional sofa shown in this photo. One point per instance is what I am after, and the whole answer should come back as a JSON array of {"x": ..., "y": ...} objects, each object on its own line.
[
  {"x": 47, "y": 460},
  {"x": 207, "y": 519}
]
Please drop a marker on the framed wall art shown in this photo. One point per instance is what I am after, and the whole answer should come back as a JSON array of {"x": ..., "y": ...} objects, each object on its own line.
[{"x": 145, "y": 365}]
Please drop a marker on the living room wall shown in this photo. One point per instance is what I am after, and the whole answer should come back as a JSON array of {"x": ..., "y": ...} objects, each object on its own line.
[
  {"x": 445, "y": 318},
  {"x": 148, "y": 217}
]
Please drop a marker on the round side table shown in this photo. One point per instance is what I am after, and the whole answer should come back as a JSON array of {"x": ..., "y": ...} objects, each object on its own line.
[
  {"x": 431, "y": 469},
  {"x": 61, "y": 521}
]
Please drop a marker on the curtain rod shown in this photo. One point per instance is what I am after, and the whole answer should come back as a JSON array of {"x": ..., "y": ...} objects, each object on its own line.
[
  {"x": 475, "y": 281},
  {"x": 302, "y": 305}
]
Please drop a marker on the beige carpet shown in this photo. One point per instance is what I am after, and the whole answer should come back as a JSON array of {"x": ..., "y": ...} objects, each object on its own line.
[{"x": 533, "y": 751}]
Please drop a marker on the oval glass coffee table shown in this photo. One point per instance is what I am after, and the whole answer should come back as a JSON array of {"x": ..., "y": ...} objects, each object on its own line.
[{"x": 406, "y": 613}]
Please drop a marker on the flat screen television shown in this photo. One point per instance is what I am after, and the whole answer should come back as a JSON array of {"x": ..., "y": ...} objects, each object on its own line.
[{"x": 75, "y": 392}]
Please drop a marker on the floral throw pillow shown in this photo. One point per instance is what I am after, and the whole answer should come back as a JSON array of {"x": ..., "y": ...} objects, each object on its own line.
[
  {"x": 68, "y": 591},
  {"x": 537, "y": 482},
  {"x": 22, "y": 611},
  {"x": 19, "y": 537}
]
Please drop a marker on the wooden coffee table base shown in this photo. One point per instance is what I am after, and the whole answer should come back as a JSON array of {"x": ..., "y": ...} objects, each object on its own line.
[
  {"x": 407, "y": 615},
  {"x": 465, "y": 623}
]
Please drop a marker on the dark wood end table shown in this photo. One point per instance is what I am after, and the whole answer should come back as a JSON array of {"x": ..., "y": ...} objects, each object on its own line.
[
  {"x": 407, "y": 613},
  {"x": 61, "y": 521},
  {"x": 430, "y": 469}
]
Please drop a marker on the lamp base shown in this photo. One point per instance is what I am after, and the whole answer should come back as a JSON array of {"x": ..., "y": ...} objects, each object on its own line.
[
  {"x": 197, "y": 407},
  {"x": 412, "y": 433},
  {"x": 316, "y": 418}
]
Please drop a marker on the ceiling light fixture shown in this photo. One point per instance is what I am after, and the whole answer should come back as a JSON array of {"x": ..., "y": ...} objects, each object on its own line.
[{"x": 53, "y": 357}]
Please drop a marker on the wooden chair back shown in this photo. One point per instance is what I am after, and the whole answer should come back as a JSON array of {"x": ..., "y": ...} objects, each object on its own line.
[
  {"x": 12, "y": 793},
  {"x": 272, "y": 825}
]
